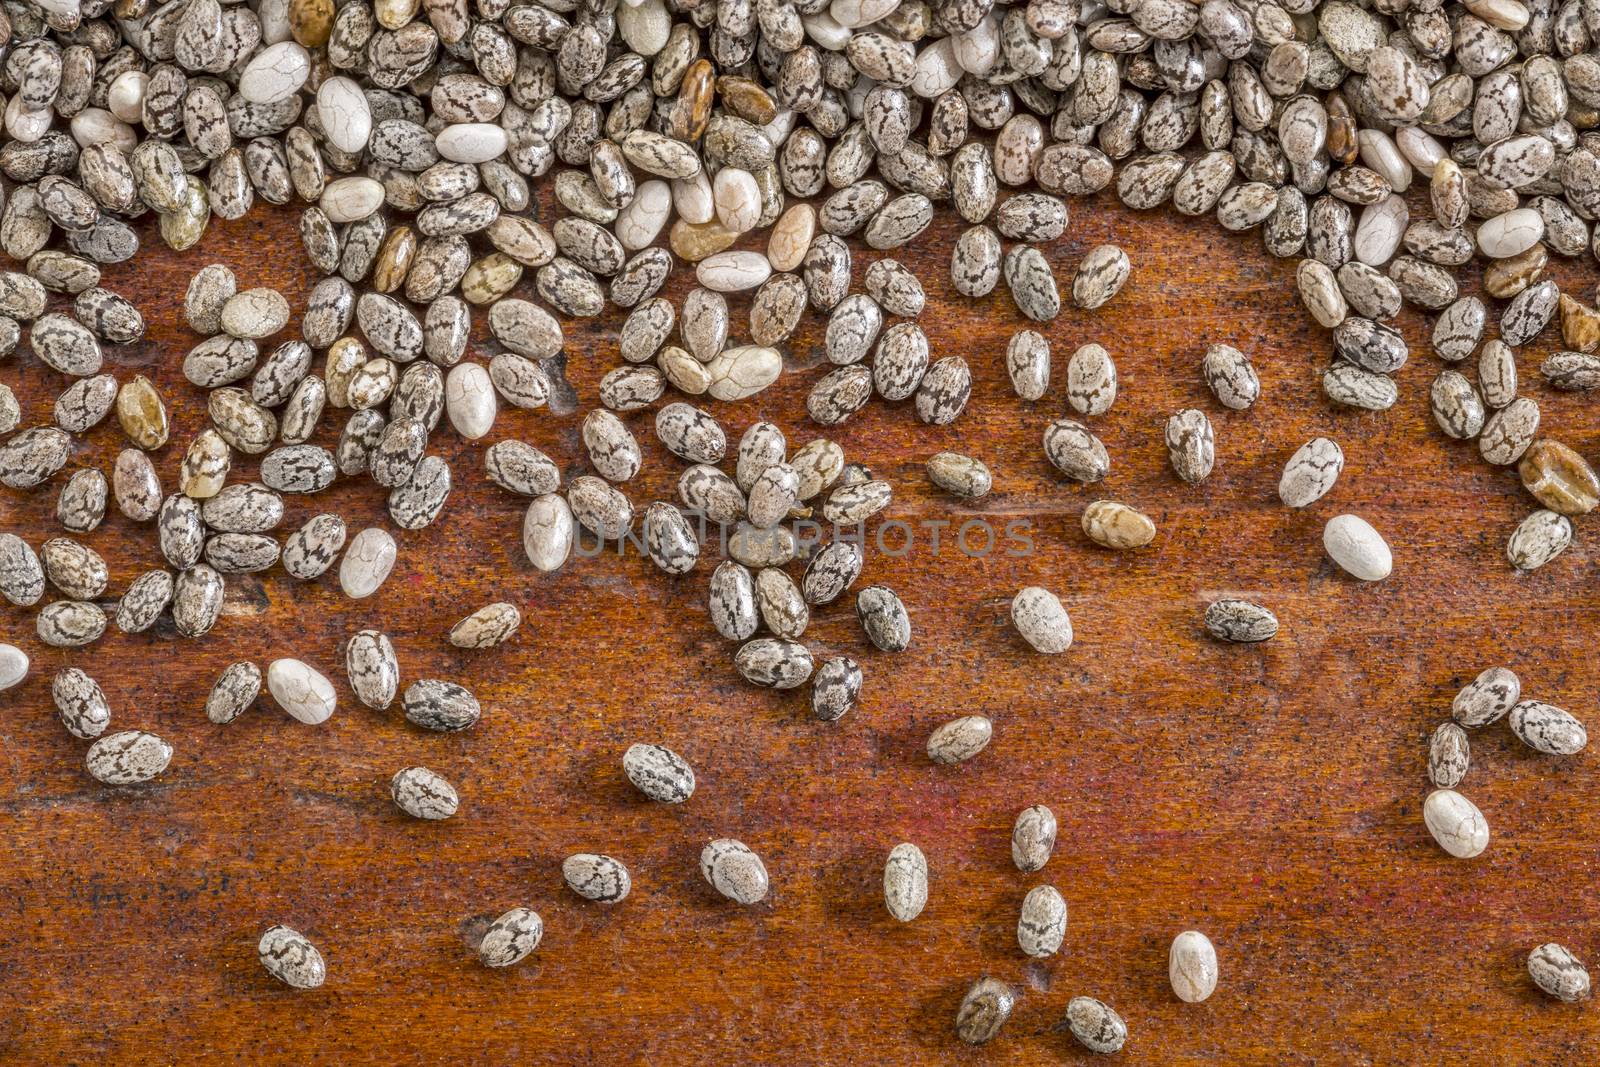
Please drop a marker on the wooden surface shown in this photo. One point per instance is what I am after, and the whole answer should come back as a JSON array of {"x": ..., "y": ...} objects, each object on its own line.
[{"x": 1268, "y": 796}]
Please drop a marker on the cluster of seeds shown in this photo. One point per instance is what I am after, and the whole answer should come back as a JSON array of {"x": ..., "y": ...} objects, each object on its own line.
[
  {"x": 1041, "y": 929},
  {"x": 1456, "y": 823},
  {"x": 408, "y": 135}
]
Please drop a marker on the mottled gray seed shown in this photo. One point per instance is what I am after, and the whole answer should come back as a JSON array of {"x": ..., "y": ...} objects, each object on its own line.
[
  {"x": 439, "y": 705},
  {"x": 147, "y": 597},
  {"x": 984, "y": 1010},
  {"x": 1449, "y": 755},
  {"x": 234, "y": 691},
  {"x": 1557, "y": 972},
  {"x": 1486, "y": 698},
  {"x": 1100, "y": 276},
  {"x": 81, "y": 703},
  {"x": 1042, "y": 926},
  {"x": 905, "y": 882},
  {"x": 659, "y": 773},
  {"x": 70, "y": 623},
  {"x": 1075, "y": 451},
  {"x": 312, "y": 549},
  {"x": 490, "y": 625},
  {"x": 511, "y": 938},
  {"x": 1191, "y": 445},
  {"x": 1033, "y": 838},
  {"x": 1310, "y": 472},
  {"x": 835, "y": 688},
  {"x": 1547, "y": 728},
  {"x": 735, "y": 871},
  {"x": 127, "y": 758},
  {"x": 773, "y": 663},
  {"x": 373, "y": 669},
  {"x": 960, "y": 739},
  {"x": 21, "y": 573},
  {"x": 290, "y": 958},
  {"x": 1096, "y": 1026},
  {"x": 1240, "y": 621},
  {"x": 423, "y": 794},
  {"x": 1230, "y": 377}
]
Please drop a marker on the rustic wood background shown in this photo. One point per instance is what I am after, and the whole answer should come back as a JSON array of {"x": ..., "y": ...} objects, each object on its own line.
[{"x": 1269, "y": 796}]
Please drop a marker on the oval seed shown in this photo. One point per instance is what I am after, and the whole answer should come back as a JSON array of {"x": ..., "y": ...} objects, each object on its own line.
[
  {"x": 1100, "y": 276},
  {"x": 1449, "y": 755},
  {"x": 884, "y": 619},
  {"x": 984, "y": 1010},
  {"x": 1033, "y": 838},
  {"x": 511, "y": 938},
  {"x": 70, "y": 624},
  {"x": 1028, "y": 364},
  {"x": 691, "y": 434},
  {"x": 312, "y": 549},
  {"x": 127, "y": 758},
  {"x": 423, "y": 794},
  {"x": 302, "y": 692},
  {"x": 1191, "y": 445},
  {"x": 734, "y": 870},
  {"x": 373, "y": 670},
  {"x": 1091, "y": 380},
  {"x": 439, "y": 705},
  {"x": 254, "y": 314},
  {"x": 1240, "y": 621},
  {"x": 290, "y": 958},
  {"x": 13, "y": 666},
  {"x": 1559, "y": 478},
  {"x": 1042, "y": 926},
  {"x": 1310, "y": 472},
  {"x": 835, "y": 688},
  {"x": 80, "y": 702},
  {"x": 1557, "y": 972},
  {"x": 1095, "y": 1025},
  {"x": 905, "y": 882},
  {"x": 1192, "y": 966},
  {"x": 1354, "y": 545},
  {"x": 960, "y": 739},
  {"x": 1042, "y": 621},
  {"x": 659, "y": 773},
  {"x": 831, "y": 571},
  {"x": 1538, "y": 539},
  {"x": 1547, "y": 728},
  {"x": 147, "y": 597},
  {"x": 962, "y": 476},
  {"x": 1486, "y": 698},
  {"x": 197, "y": 599},
  {"x": 235, "y": 689},
  {"x": 1117, "y": 526},
  {"x": 75, "y": 569},
  {"x": 470, "y": 400},
  {"x": 669, "y": 539},
  {"x": 773, "y": 663},
  {"x": 732, "y": 602},
  {"x": 489, "y": 625},
  {"x": 1456, "y": 823},
  {"x": 1075, "y": 451},
  {"x": 21, "y": 573},
  {"x": 367, "y": 563},
  {"x": 1231, "y": 378}
]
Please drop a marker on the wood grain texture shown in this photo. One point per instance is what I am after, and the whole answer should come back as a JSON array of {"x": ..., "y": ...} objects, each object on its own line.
[{"x": 1269, "y": 796}]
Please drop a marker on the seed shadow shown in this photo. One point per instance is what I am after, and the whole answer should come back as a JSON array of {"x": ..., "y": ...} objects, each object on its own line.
[
  {"x": 851, "y": 889},
  {"x": 932, "y": 1019}
]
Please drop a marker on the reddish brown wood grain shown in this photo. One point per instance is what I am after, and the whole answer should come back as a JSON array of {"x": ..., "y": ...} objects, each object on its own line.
[{"x": 1269, "y": 796}]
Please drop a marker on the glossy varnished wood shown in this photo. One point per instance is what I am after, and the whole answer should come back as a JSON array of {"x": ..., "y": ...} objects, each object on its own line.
[{"x": 1269, "y": 796}]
